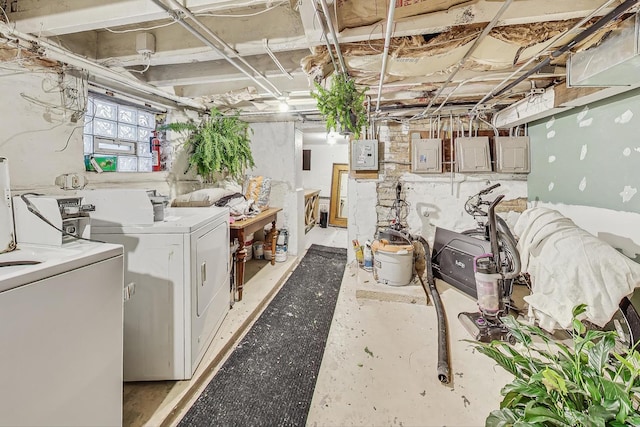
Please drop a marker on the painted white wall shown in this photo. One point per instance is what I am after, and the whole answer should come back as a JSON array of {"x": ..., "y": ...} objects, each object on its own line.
[
  {"x": 323, "y": 156},
  {"x": 277, "y": 152},
  {"x": 38, "y": 137},
  {"x": 439, "y": 201},
  {"x": 362, "y": 217}
]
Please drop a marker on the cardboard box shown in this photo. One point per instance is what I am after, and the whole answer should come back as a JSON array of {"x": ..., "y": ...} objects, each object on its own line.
[{"x": 106, "y": 163}]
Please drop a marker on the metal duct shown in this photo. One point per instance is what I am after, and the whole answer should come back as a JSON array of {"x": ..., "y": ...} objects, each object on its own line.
[{"x": 614, "y": 62}]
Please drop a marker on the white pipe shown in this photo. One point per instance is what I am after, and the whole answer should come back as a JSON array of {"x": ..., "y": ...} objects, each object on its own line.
[
  {"x": 273, "y": 91},
  {"x": 385, "y": 53},
  {"x": 265, "y": 43},
  {"x": 537, "y": 55},
  {"x": 58, "y": 53},
  {"x": 323, "y": 24},
  {"x": 473, "y": 47},
  {"x": 327, "y": 18}
]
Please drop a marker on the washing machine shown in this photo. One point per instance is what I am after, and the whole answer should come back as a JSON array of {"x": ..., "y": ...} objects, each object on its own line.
[
  {"x": 177, "y": 272},
  {"x": 61, "y": 314}
]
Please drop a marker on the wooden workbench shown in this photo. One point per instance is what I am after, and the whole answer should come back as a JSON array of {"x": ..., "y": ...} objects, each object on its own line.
[{"x": 239, "y": 229}]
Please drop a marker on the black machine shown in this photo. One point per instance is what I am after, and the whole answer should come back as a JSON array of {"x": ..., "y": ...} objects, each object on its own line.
[{"x": 453, "y": 258}]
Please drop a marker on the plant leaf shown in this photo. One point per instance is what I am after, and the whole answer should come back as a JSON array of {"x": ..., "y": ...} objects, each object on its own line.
[
  {"x": 599, "y": 354},
  {"x": 540, "y": 414},
  {"x": 501, "y": 418}
]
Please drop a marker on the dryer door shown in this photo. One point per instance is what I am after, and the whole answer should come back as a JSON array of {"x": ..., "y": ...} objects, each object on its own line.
[{"x": 212, "y": 267}]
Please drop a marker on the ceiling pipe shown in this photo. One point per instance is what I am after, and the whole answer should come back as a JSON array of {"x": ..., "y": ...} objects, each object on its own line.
[
  {"x": 323, "y": 24},
  {"x": 385, "y": 52},
  {"x": 334, "y": 36},
  {"x": 273, "y": 91},
  {"x": 60, "y": 54},
  {"x": 466, "y": 56},
  {"x": 614, "y": 14},
  {"x": 265, "y": 43}
]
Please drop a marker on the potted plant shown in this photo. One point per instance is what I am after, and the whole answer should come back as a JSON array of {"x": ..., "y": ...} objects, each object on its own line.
[
  {"x": 586, "y": 384},
  {"x": 342, "y": 105},
  {"x": 219, "y": 144}
]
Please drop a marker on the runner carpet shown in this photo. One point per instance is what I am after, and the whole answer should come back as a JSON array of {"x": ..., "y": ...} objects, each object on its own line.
[{"x": 270, "y": 376}]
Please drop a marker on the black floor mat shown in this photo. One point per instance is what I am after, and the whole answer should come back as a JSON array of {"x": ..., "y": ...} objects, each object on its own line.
[{"x": 269, "y": 378}]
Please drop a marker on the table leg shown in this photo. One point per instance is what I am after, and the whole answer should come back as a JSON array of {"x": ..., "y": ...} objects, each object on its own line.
[
  {"x": 273, "y": 243},
  {"x": 241, "y": 254}
]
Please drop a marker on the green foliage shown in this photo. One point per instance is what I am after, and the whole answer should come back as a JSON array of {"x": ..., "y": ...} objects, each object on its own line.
[
  {"x": 585, "y": 384},
  {"x": 342, "y": 105},
  {"x": 218, "y": 144}
]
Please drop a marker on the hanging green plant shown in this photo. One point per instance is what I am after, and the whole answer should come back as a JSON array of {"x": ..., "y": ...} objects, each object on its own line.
[
  {"x": 342, "y": 105},
  {"x": 219, "y": 144}
]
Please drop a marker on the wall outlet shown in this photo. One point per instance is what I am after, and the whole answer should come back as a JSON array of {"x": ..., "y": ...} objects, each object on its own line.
[{"x": 71, "y": 181}]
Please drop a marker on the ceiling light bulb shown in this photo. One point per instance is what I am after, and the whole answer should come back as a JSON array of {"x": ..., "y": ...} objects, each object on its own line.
[{"x": 284, "y": 107}]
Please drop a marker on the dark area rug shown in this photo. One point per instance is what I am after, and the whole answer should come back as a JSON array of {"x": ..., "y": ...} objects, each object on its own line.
[{"x": 269, "y": 378}]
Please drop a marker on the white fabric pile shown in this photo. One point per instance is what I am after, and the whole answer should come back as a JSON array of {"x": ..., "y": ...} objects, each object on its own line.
[{"x": 569, "y": 266}]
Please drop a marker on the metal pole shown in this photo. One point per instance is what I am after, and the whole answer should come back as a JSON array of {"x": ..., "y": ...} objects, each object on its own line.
[
  {"x": 385, "y": 53},
  {"x": 334, "y": 36}
]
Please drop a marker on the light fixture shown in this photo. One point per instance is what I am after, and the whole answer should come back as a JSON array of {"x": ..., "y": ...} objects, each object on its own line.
[{"x": 284, "y": 105}]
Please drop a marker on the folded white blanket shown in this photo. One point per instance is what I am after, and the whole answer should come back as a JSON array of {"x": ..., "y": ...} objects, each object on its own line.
[{"x": 569, "y": 266}]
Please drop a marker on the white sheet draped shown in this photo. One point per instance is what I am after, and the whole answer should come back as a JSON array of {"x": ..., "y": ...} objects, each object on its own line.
[{"x": 569, "y": 266}]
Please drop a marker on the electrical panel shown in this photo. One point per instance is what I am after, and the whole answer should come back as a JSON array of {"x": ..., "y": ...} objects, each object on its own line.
[
  {"x": 472, "y": 154},
  {"x": 512, "y": 154},
  {"x": 364, "y": 155},
  {"x": 426, "y": 155}
]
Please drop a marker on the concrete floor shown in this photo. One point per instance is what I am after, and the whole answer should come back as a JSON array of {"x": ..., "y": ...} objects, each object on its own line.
[{"x": 379, "y": 366}]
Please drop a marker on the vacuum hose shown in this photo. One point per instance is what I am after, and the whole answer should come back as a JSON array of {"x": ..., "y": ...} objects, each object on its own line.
[{"x": 443, "y": 341}]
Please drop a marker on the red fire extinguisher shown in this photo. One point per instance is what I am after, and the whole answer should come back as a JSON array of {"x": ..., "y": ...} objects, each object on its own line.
[{"x": 155, "y": 153}]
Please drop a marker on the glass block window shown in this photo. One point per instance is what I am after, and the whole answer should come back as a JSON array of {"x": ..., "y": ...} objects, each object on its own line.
[{"x": 125, "y": 131}]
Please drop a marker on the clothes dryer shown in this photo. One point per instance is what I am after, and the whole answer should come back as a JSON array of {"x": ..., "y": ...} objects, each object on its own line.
[{"x": 178, "y": 271}]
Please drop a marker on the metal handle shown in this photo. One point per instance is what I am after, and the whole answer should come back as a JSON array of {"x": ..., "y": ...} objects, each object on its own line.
[{"x": 203, "y": 272}]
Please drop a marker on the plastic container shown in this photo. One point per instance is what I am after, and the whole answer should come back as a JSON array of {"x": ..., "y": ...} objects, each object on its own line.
[
  {"x": 281, "y": 254},
  {"x": 368, "y": 256},
  {"x": 249, "y": 251},
  {"x": 487, "y": 284},
  {"x": 324, "y": 219},
  {"x": 268, "y": 254},
  {"x": 258, "y": 250},
  {"x": 358, "y": 252},
  {"x": 393, "y": 264}
]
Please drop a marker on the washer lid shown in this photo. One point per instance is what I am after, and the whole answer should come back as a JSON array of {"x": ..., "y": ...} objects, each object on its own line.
[{"x": 51, "y": 261}]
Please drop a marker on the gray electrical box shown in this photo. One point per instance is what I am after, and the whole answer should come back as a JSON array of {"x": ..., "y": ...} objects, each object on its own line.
[
  {"x": 512, "y": 154},
  {"x": 426, "y": 155},
  {"x": 364, "y": 155},
  {"x": 472, "y": 154}
]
